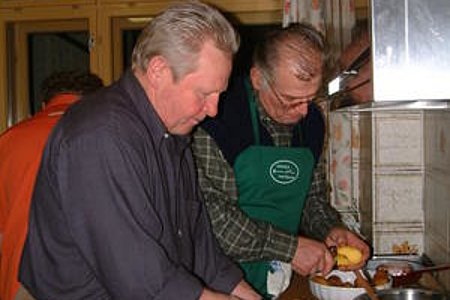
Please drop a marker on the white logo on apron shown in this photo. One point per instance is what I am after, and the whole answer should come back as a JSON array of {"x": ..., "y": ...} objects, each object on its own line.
[{"x": 284, "y": 171}]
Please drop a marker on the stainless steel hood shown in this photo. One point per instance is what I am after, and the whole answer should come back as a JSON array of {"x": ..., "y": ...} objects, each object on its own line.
[{"x": 409, "y": 56}]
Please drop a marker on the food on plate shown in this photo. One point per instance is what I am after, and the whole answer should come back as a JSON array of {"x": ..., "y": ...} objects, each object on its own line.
[
  {"x": 347, "y": 256},
  {"x": 335, "y": 280},
  {"x": 381, "y": 277},
  {"x": 320, "y": 279},
  {"x": 401, "y": 272},
  {"x": 399, "y": 268}
]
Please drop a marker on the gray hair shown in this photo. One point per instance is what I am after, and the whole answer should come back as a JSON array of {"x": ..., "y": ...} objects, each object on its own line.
[
  {"x": 179, "y": 33},
  {"x": 301, "y": 43}
]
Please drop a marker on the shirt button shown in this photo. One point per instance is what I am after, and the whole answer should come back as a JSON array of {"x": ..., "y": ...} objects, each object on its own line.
[
  {"x": 166, "y": 135},
  {"x": 180, "y": 233}
]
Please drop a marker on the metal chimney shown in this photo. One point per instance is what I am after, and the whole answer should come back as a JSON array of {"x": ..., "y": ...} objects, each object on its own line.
[{"x": 410, "y": 49}]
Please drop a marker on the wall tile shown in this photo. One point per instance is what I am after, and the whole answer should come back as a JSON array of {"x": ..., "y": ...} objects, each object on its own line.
[
  {"x": 437, "y": 140},
  {"x": 437, "y": 207},
  {"x": 398, "y": 139},
  {"x": 398, "y": 198}
]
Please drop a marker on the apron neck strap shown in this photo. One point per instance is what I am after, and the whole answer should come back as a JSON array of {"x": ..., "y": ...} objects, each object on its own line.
[{"x": 253, "y": 110}]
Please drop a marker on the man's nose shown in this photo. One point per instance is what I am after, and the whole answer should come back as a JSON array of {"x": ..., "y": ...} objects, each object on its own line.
[
  {"x": 303, "y": 109},
  {"x": 211, "y": 105}
]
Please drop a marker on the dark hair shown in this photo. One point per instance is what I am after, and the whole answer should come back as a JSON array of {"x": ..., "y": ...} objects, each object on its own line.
[{"x": 77, "y": 82}]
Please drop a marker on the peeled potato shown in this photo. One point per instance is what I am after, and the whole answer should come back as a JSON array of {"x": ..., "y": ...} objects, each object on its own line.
[
  {"x": 347, "y": 256},
  {"x": 342, "y": 260}
]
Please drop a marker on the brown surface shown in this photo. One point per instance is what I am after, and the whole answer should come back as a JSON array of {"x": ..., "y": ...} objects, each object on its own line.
[{"x": 298, "y": 290}]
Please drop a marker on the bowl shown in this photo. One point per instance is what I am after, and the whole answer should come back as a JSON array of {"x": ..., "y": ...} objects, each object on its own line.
[
  {"x": 398, "y": 269},
  {"x": 405, "y": 294},
  {"x": 328, "y": 292},
  {"x": 413, "y": 261}
]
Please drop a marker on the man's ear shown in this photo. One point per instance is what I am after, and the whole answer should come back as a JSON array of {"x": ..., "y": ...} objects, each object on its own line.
[
  {"x": 157, "y": 68},
  {"x": 256, "y": 78}
]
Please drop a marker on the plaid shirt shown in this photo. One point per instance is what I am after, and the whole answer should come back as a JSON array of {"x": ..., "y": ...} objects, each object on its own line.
[{"x": 243, "y": 238}]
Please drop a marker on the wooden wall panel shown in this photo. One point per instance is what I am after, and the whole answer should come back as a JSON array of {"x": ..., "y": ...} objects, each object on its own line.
[{"x": 42, "y": 3}]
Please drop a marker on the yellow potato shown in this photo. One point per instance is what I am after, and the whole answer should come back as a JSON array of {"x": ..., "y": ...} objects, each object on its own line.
[
  {"x": 342, "y": 260},
  {"x": 347, "y": 256}
]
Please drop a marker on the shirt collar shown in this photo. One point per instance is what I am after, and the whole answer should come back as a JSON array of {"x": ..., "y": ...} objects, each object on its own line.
[{"x": 62, "y": 99}]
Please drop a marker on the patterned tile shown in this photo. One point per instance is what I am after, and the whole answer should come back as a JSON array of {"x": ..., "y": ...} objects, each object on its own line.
[
  {"x": 398, "y": 198},
  {"x": 398, "y": 178},
  {"x": 398, "y": 139}
]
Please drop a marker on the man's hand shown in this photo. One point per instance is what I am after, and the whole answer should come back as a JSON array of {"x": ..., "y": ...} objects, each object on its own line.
[
  {"x": 340, "y": 236},
  {"x": 208, "y": 294},
  {"x": 312, "y": 256},
  {"x": 245, "y": 292}
]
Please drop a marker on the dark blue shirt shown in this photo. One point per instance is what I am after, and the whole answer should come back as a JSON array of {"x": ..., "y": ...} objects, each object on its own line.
[{"x": 117, "y": 212}]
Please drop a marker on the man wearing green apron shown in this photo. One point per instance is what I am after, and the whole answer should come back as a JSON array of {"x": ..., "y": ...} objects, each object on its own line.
[{"x": 261, "y": 169}]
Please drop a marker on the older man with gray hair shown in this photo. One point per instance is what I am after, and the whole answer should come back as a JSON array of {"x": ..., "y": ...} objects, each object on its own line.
[{"x": 117, "y": 212}]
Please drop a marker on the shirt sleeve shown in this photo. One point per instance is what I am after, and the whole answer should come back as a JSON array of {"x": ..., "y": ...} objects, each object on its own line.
[
  {"x": 242, "y": 238},
  {"x": 107, "y": 197},
  {"x": 318, "y": 214},
  {"x": 221, "y": 273}
]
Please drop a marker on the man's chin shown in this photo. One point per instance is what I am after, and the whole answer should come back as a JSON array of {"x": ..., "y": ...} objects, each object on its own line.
[
  {"x": 181, "y": 131},
  {"x": 289, "y": 121}
]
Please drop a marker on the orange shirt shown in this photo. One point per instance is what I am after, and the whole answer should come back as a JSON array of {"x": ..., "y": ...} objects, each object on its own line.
[{"x": 20, "y": 154}]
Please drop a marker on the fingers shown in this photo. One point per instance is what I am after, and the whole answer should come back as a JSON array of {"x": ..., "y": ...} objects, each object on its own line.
[
  {"x": 312, "y": 257},
  {"x": 325, "y": 262},
  {"x": 328, "y": 263},
  {"x": 337, "y": 237}
]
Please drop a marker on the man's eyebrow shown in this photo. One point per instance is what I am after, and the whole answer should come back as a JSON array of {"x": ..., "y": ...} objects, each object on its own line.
[{"x": 298, "y": 97}]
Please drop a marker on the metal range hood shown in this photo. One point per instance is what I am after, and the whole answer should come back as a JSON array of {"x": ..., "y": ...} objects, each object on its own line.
[{"x": 409, "y": 56}]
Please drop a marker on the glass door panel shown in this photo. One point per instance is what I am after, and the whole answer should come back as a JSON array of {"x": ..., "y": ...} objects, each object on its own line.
[
  {"x": 125, "y": 31},
  {"x": 41, "y": 48}
]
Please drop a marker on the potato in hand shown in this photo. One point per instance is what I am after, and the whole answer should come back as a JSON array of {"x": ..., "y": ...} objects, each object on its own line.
[{"x": 348, "y": 256}]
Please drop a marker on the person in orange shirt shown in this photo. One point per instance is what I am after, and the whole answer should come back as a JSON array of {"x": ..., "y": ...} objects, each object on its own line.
[{"x": 21, "y": 147}]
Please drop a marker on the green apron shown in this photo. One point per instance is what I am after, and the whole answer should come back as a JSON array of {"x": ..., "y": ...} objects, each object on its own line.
[{"x": 272, "y": 184}]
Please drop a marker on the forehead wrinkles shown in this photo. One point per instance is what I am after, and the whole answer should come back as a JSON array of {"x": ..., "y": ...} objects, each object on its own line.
[{"x": 302, "y": 59}]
